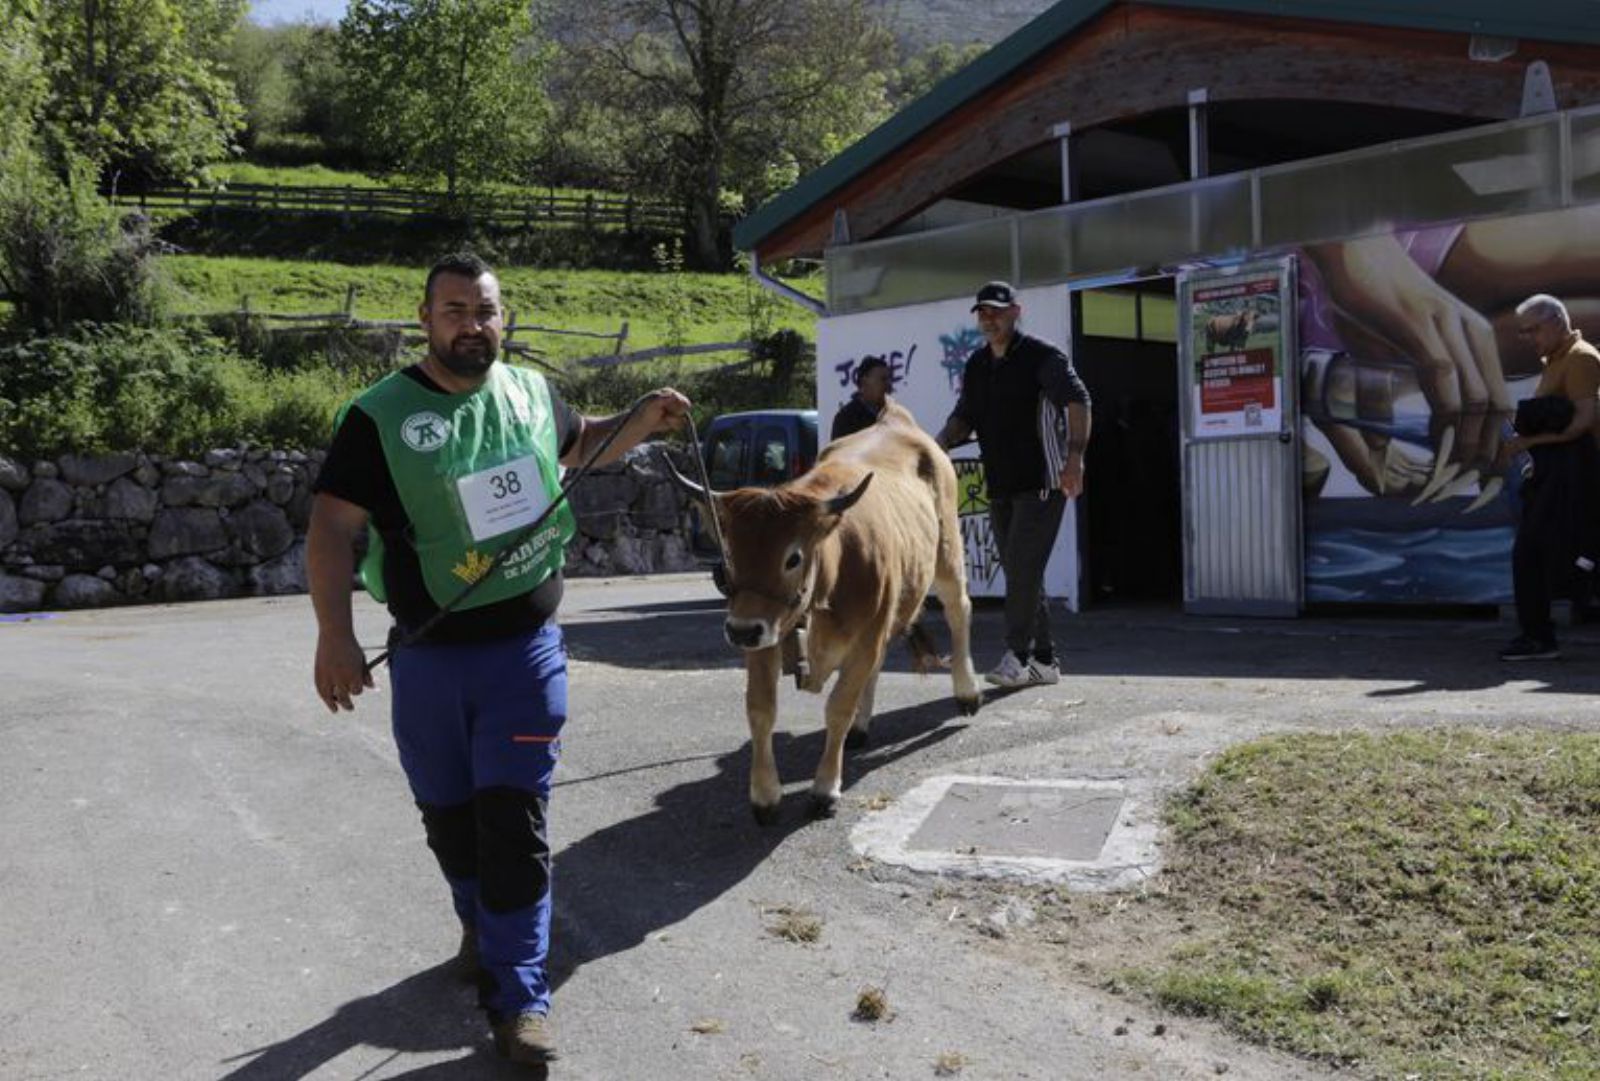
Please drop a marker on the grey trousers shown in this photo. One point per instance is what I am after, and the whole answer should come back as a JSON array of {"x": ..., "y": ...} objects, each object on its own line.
[{"x": 1024, "y": 532}]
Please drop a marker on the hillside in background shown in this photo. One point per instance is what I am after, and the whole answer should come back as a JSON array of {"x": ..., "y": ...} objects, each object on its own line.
[
  {"x": 961, "y": 22},
  {"x": 920, "y": 21}
]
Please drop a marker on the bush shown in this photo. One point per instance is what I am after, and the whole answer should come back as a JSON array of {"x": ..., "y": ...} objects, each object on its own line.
[
  {"x": 178, "y": 392},
  {"x": 69, "y": 256}
]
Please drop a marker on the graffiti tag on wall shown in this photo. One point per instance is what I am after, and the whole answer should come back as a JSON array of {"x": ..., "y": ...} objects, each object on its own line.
[
  {"x": 899, "y": 367},
  {"x": 958, "y": 346},
  {"x": 977, "y": 532}
]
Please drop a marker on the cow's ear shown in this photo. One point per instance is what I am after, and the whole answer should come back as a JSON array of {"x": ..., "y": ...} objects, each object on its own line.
[{"x": 841, "y": 503}]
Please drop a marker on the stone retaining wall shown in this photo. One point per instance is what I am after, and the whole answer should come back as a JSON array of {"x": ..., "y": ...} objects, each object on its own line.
[{"x": 84, "y": 532}]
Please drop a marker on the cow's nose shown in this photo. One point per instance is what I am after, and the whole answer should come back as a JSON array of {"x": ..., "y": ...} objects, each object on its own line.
[{"x": 741, "y": 634}]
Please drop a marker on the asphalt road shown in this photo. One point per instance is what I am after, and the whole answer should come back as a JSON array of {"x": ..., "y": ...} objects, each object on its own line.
[{"x": 203, "y": 874}]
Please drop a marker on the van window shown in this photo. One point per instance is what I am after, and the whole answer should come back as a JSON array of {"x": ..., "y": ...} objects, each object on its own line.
[
  {"x": 808, "y": 441},
  {"x": 726, "y": 464},
  {"x": 772, "y": 457}
]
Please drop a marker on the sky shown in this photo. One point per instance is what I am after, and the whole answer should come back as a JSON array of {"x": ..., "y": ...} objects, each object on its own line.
[{"x": 267, "y": 12}]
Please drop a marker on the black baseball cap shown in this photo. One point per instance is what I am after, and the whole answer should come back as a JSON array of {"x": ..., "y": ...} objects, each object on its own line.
[{"x": 995, "y": 295}]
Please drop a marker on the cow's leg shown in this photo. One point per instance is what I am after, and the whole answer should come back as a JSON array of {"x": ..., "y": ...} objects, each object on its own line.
[
  {"x": 761, "y": 710},
  {"x": 949, "y": 586},
  {"x": 845, "y": 700},
  {"x": 859, "y": 735}
]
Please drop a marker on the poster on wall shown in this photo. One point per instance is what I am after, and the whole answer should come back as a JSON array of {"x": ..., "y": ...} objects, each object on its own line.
[
  {"x": 926, "y": 347},
  {"x": 1236, "y": 340},
  {"x": 1410, "y": 371}
]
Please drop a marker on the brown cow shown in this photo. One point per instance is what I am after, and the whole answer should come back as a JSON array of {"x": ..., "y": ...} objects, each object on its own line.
[
  {"x": 1230, "y": 331},
  {"x": 852, "y": 548}
]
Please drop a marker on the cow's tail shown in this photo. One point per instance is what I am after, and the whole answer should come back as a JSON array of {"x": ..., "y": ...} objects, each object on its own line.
[{"x": 925, "y": 658}]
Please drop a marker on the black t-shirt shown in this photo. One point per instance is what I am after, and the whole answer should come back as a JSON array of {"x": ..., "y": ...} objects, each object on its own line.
[
  {"x": 852, "y": 417},
  {"x": 357, "y": 472},
  {"x": 1000, "y": 402}
]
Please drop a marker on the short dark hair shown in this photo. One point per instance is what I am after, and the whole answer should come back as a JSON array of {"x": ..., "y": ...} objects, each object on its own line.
[
  {"x": 867, "y": 365},
  {"x": 462, "y": 263}
]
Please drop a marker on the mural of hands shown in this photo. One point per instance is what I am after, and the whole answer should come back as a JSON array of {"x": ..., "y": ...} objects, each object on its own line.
[
  {"x": 1387, "y": 306},
  {"x": 1379, "y": 292}
]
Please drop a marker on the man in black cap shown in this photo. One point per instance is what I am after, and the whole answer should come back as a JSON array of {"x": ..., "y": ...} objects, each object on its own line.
[{"x": 1022, "y": 398}]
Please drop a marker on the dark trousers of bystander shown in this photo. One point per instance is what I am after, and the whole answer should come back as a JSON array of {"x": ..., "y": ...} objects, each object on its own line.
[{"x": 1025, "y": 529}]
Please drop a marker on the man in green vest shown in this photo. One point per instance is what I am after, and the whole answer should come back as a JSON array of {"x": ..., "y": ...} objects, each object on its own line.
[{"x": 443, "y": 465}]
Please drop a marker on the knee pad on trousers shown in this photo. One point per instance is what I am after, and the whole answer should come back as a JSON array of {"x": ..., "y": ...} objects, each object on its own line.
[
  {"x": 453, "y": 835},
  {"x": 513, "y": 851}
]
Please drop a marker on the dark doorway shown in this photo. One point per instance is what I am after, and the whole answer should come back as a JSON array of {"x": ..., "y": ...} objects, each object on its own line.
[{"x": 1125, "y": 347}]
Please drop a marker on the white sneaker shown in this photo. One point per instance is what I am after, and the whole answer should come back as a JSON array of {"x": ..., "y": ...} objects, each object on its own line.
[
  {"x": 1040, "y": 672},
  {"x": 1010, "y": 672}
]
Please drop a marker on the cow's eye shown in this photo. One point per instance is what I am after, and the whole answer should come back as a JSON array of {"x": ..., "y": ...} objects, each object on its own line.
[{"x": 792, "y": 562}]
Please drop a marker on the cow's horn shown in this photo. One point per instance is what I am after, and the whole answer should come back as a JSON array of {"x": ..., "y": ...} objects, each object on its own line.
[
  {"x": 841, "y": 503},
  {"x": 694, "y": 490}
]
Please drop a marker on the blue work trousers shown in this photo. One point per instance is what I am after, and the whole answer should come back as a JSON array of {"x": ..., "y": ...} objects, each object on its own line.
[{"x": 478, "y": 727}]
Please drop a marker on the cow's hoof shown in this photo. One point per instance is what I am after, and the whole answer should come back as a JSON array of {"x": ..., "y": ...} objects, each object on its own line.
[
  {"x": 824, "y": 806},
  {"x": 969, "y": 706},
  {"x": 765, "y": 816},
  {"x": 856, "y": 738}
]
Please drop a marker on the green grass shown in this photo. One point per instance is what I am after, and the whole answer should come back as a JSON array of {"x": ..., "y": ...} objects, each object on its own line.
[
  {"x": 320, "y": 176},
  {"x": 659, "y": 308},
  {"x": 1423, "y": 904}
]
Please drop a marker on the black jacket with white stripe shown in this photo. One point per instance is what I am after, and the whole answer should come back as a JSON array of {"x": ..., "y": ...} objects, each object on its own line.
[{"x": 1017, "y": 406}]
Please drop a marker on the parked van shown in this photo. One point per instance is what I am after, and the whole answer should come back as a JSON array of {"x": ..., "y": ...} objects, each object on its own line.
[{"x": 760, "y": 449}]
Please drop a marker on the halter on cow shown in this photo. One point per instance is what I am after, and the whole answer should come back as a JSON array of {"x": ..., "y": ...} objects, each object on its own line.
[{"x": 852, "y": 548}]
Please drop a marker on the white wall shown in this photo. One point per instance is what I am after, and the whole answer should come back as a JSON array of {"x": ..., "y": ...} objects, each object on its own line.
[{"x": 927, "y": 346}]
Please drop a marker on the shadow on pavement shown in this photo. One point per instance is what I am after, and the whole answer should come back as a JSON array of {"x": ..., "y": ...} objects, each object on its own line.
[
  {"x": 699, "y": 841},
  {"x": 406, "y": 1018},
  {"x": 1417, "y": 655}
]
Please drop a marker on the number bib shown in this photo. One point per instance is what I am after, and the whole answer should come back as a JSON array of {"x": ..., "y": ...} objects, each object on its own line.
[
  {"x": 463, "y": 512},
  {"x": 502, "y": 499}
]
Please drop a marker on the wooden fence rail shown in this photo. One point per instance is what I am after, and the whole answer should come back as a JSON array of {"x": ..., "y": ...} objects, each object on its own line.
[
  {"x": 345, "y": 319},
  {"x": 589, "y": 211}
]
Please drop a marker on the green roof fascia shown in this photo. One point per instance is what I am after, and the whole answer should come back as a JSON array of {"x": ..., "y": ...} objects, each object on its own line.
[{"x": 1576, "y": 21}]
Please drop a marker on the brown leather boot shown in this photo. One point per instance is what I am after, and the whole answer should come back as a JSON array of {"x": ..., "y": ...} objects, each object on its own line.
[{"x": 525, "y": 1039}]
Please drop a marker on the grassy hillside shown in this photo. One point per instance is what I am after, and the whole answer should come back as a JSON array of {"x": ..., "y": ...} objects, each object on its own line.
[{"x": 659, "y": 308}]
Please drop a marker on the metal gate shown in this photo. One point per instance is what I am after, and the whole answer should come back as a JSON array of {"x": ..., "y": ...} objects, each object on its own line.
[{"x": 1238, "y": 384}]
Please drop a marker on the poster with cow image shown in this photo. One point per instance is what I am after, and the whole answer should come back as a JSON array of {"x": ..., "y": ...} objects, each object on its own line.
[
  {"x": 1238, "y": 356},
  {"x": 1410, "y": 369},
  {"x": 927, "y": 346}
]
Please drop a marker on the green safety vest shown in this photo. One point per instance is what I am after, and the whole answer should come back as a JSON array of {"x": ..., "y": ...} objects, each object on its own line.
[{"x": 473, "y": 470}]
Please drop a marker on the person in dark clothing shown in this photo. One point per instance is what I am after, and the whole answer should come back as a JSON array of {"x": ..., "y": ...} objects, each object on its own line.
[
  {"x": 443, "y": 466},
  {"x": 1558, "y": 533},
  {"x": 873, "y": 381},
  {"x": 1024, "y": 401}
]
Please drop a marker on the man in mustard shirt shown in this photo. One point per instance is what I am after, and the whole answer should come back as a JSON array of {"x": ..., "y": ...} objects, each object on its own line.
[{"x": 1561, "y": 496}]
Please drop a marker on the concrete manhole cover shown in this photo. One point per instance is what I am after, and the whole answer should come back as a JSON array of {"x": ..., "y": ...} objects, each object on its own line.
[
  {"x": 1089, "y": 834},
  {"x": 1050, "y": 821}
]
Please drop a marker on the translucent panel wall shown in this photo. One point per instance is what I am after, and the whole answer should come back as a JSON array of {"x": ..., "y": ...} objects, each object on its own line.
[
  {"x": 1512, "y": 168},
  {"x": 1508, "y": 169},
  {"x": 1586, "y": 157},
  {"x": 925, "y": 266},
  {"x": 1211, "y": 217}
]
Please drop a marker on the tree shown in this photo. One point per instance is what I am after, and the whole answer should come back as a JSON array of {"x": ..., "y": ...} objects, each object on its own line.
[
  {"x": 258, "y": 57},
  {"x": 66, "y": 255},
  {"x": 922, "y": 71},
  {"x": 445, "y": 89},
  {"x": 131, "y": 87},
  {"x": 732, "y": 95}
]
